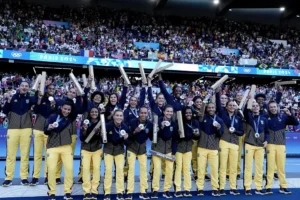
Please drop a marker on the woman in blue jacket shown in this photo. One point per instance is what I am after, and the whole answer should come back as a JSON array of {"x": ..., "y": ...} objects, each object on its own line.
[
  {"x": 117, "y": 134},
  {"x": 115, "y": 104},
  {"x": 91, "y": 152},
  {"x": 168, "y": 128},
  {"x": 132, "y": 111},
  {"x": 175, "y": 99},
  {"x": 276, "y": 149},
  {"x": 183, "y": 149},
  {"x": 256, "y": 140},
  {"x": 196, "y": 111},
  {"x": 229, "y": 144},
  {"x": 59, "y": 131},
  {"x": 211, "y": 129},
  {"x": 18, "y": 110},
  {"x": 157, "y": 105},
  {"x": 97, "y": 101}
]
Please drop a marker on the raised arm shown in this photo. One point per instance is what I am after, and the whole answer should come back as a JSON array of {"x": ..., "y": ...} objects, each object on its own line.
[
  {"x": 203, "y": 107},
  {"x": 78, "y": 105},
  {"x": 163, "y": 90},
  {"x": 220, "y": 109},
  {"x": 150, "y": 96},
  {"x": 86, "y": 104},
  {"x": 78, "y": 108},
  {"x": 142, "y": 97},
  {"x": 221, "y": 130},
  {"x": 7, "y": 107},
  {"x": 291, "y": 119},
  {"x": 247, "y": 113},
  {"x": 278, "y": 94},
  {"x": 123, "y": 96},
  {"x": 85, "y": 96}
]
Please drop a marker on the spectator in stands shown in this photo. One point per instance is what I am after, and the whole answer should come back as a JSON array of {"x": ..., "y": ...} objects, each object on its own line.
[{"x": 112, "y": 33}]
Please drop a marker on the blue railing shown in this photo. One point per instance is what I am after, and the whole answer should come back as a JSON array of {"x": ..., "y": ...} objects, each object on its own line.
[{"x": 147, "y": 64}]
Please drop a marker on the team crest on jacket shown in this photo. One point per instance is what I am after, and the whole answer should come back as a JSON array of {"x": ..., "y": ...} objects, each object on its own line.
[
  {"x": 262, "y": 122},
  {"x": 171, "y": 128},
  {"x": 147, "y": 130},
  {"x": 110, "y": 133},
  {"x": 236, "y": 121},
  {"x": 27, "y": 100}
]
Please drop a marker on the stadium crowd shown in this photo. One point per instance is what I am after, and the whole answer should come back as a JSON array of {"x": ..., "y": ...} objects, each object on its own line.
[
  {"x": 112, "y": 33},
  {"x": 290, "y": 98}
]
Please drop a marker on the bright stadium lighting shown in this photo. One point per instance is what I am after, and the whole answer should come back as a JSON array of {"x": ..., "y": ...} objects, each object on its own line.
[
  {"x": 230, "y": 9},
  {"x": 216, "y": 2},
  {"x": 298, "y": 16},
  {"x": 282, "y": 9}
]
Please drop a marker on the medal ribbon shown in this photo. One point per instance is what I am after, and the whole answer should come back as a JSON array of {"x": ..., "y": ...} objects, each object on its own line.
[
  {"x": 232, "y": 120},
  {"x": 134, "y": 112},
  {"x": 191, "y": 126},
  {"x": 256, "y": 124}
]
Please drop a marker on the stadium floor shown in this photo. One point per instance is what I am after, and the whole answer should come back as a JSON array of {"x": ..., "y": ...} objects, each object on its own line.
[
  {"x": 40, "y": 192},
  {"x": 293, "y": 196}
]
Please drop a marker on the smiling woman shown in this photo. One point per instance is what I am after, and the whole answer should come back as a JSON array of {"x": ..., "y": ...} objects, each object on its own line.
[
  {"x": 24, "y": 87},
  {"x": 256, "y": 140},
  {"x": 58, "y": 128},
  {"x": 17, "y": 108},
  {"x": 114, "y": 152},
  {"x": 184, "y": 153},
  {"x": 229, "y": 143},
  {"x": 212, "y": 128},
  {"x": 91, "y": 154},
  {"x": 168, "y": 128},
  {"x": 66, "y": 110}
]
